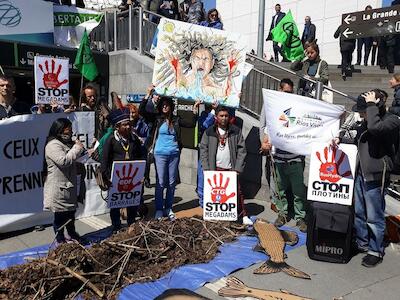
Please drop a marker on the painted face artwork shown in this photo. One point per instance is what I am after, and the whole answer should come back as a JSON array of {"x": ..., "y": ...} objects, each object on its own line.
[{"x": 199, "y": 63}]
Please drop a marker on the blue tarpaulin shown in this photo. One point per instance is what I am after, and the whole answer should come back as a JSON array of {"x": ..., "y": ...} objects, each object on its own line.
[{"x": 232, "y": 256}]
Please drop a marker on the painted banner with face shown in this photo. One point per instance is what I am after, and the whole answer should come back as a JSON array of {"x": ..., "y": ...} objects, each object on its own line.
[{"x": 199, "y": 63}]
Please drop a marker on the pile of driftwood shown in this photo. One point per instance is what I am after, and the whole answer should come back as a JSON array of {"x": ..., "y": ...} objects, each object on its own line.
[{"x": 144, "y": 252}]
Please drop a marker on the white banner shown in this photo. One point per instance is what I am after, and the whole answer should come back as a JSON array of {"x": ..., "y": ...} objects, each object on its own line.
[
  {"x": 295, "y": 122},
  {"x": 127, "y": 181},
  {"x": 70, "y": 23},
  {"x": 220, "y": 196},
  {"x": 51, "y": 80},
  {"x": 22, "y": 141},
  {"x": 332, "y": 173},
  {"x": 25, "y": 17}
]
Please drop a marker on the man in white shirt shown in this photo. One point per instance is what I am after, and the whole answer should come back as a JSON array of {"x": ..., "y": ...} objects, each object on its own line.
[{"x": 222, "y": 148}]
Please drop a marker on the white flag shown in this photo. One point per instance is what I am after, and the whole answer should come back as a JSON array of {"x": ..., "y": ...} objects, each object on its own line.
[{"x": 295, "y": 122}]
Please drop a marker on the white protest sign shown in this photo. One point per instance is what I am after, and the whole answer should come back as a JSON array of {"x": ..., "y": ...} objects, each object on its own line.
[
  {"x": 127, "y": 180},
  {"x": 51, "y": 80},
  {"x": 294, "y": 122},
  {"x": 220, "y": 196},
  {"x": 332, "y": 173},
  {"x": 22, "y": 141}
]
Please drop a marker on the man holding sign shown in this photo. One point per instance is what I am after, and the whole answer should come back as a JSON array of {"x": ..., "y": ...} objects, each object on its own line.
[
  {"x": 222, "y": 148},
  {"x": 122, "y": 145}
]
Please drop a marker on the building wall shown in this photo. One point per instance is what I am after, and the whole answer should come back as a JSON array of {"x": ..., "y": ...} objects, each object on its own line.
[{"x": 242, "y": 16}]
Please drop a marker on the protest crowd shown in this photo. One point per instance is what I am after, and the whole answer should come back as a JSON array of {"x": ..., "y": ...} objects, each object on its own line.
[{"x": 150, "y": 132}]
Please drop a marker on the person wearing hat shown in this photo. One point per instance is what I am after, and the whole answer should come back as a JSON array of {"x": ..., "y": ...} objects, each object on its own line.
[
  {"x": 166, "y": 145},
  {"x": 376, "y": 137},
  {"x": 122, "y": 145}
]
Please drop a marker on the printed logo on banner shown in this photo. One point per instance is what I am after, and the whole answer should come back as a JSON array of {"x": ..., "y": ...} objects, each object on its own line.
[
  {"x": 220, "y": 195},
  {"x": 307, "y": 120},
  {"x": 51, "y": 80},
  {"x": 127, "y": 180},
  {"x": 10, "y": 15},
  {"x": 331, "y": 177}
]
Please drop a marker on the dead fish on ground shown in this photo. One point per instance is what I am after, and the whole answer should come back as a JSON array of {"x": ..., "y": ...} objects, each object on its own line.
[
  {"x": 235, "y": 288},
  {"x": 272, "y": 242}
]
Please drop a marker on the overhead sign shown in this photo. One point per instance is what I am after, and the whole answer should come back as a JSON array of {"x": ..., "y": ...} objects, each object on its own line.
[
  {"x": 332, "y": 173},
  {"x": 370, "y": 23},
  {"x": 23, "y": 20},
  {"x": 127, "y": 180},
  {"x": 51, "y": 80},
  {"x": 220, "y": 196}
]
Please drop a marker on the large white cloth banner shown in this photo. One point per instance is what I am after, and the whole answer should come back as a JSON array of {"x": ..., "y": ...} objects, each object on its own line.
[
  {"x": 22, "y": 141},
  {"x": 51, "y": 80},
  {"x": 295, "y": 122},
  {"x": 332, "y": 173},
  {"x": 70, "y": 23},
  {"x": 127, "y": 181},
  {"x": 220, "y": 196}
]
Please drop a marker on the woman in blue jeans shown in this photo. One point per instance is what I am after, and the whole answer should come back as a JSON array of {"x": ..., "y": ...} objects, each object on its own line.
[{"x": 167, "y": 146}]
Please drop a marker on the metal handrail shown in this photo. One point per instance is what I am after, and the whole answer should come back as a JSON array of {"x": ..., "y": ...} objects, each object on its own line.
[{"x": 302, "y": 77}]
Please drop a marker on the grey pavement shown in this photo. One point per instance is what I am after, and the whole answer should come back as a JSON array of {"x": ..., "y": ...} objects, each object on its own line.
[{"x": 328, "y": 281}]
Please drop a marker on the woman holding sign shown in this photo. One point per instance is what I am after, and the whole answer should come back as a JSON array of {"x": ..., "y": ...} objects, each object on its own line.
[
  {"x": 60, "y": 170},
  {"x": 166, "y": 146}
]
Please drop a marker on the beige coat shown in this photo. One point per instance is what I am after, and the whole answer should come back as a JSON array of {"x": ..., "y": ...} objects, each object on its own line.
[{"x": 60, "y": 192}]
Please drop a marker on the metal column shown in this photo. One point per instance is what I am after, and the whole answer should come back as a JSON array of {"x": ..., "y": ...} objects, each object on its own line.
[{"x": 261, "y": 22}]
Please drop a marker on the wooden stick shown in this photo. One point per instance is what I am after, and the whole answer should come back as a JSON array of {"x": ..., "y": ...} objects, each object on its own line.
[
  {"x": 121, "y": 270},
  {"x": 77, "y": 276}
]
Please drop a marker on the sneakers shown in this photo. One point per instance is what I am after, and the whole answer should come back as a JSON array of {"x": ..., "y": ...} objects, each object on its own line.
[
  {"x": 302, "y": 225},
  {"x": 246, "y": 221},
  {"x": 171, "y": 215},
  {"x": 280, "y": 221},
  {"x": 371, "y": 261},
  {"x": 159, "y": 215}
]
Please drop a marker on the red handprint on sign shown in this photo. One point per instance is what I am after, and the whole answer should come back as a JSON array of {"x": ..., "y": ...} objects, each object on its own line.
[
  {"x": 218, "y": 192},
  {"x": 50, "y": 79},
  {"x": 329, "y": 170},
  {"x": 125, "y": 183}
]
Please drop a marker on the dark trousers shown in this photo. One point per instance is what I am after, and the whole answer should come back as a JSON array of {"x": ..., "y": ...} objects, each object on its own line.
[
  {"x": 373, "y": 55},
  {"x": 367, "y": 49},
  {"x": 277, "y": 50},
  {"x": 241, "y": 211},
  {"x": 346, "y": 61},
  {"x": 115, "y": 216},
  {"x": 386, "y": 57},
  {"x": 60, "y": 219}
]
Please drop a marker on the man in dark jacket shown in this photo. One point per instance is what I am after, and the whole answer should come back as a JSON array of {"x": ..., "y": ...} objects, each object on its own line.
[
  {"x": 6, "y": 97},
  {"x": 377, "y": 138},
  {"x": 308, "y": 32},
  {"x": 347, "y": 47},
  {"x": 222, "y": 148},
  {"x": 275, "y": 20}
]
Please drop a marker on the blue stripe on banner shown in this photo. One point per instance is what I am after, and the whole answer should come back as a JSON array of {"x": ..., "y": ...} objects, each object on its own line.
[{"x": 35, "y": 38}]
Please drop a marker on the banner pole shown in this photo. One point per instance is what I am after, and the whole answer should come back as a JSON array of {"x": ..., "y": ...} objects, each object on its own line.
[{"x": 80, "y": 92}]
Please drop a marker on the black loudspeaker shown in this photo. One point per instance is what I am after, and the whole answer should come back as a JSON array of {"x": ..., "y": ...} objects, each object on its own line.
[{"x": 329, "y": 233}]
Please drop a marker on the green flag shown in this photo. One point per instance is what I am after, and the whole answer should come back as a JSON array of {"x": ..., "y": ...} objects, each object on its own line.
[
  {"x": 287, "y": 34},
  {"x": 84, "y": 61}
]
